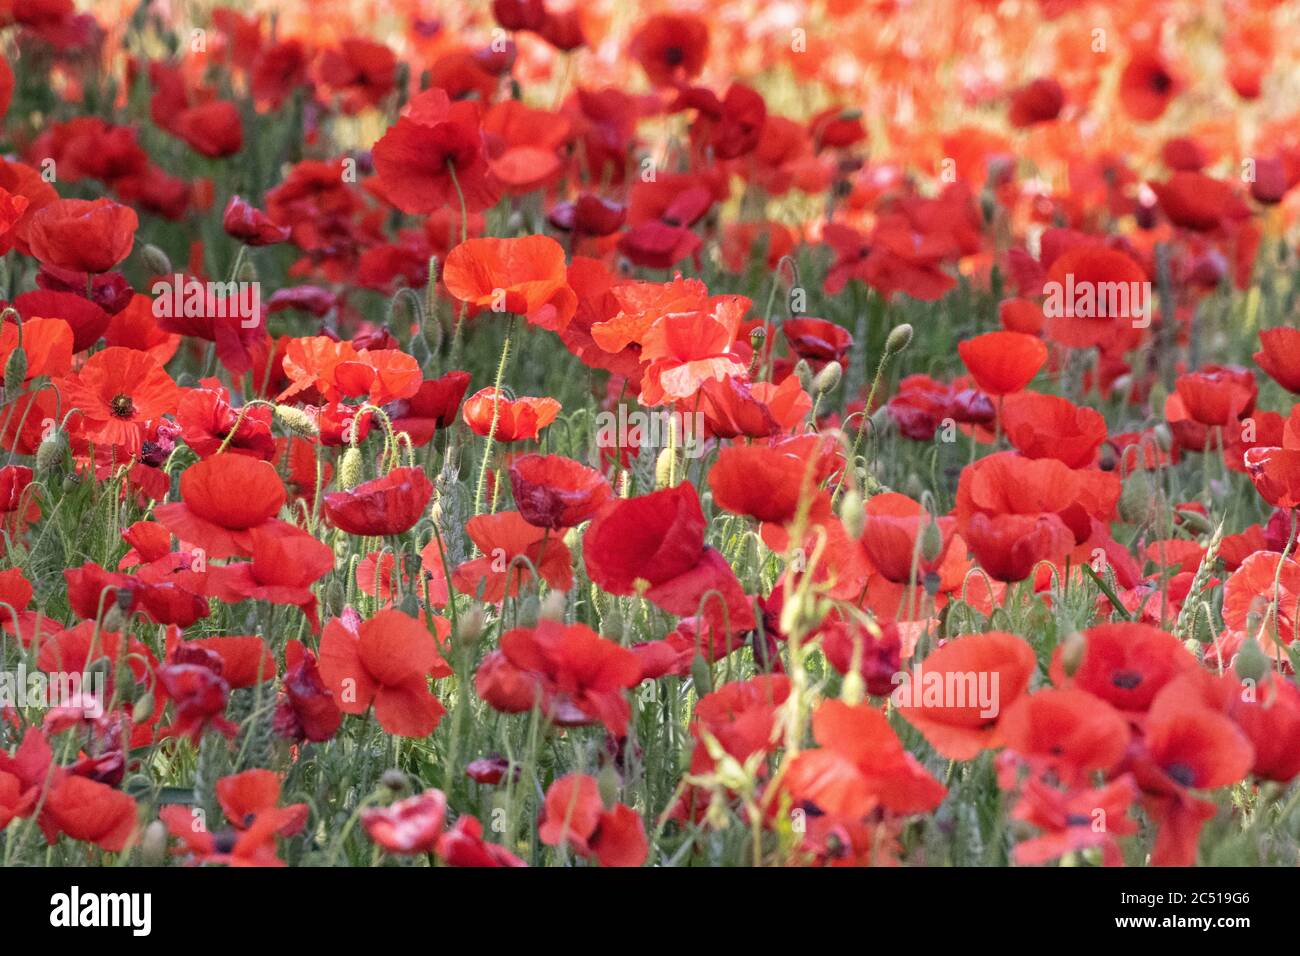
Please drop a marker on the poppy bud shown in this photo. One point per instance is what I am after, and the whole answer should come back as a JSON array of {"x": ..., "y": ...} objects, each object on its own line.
[
  {"x": 827, "y": 378},
  {"x": 1203, "y": 629},
  {"x": 663, "y": 469},
  {"x": 1135, "y": 499},
  {"x": 142, "y": 709},
  {"x": 931, "y": 542},
  {"x": 553, "y": 606},
  {"x": 852, "y": 514},
  {"x": 1194, "y": 521},
  {"x": 701, "y": 674},
  {"x": 350, "y": 473},
  {"x": 1251, "y": 663},
  {"x": 15, "y": 372},
  {"x": 803, "y": 371},
  {"x": 608, "y": 782},
  {"x": 854, "y": 689},
  {"x": 1164, "y": 437},
  {"x": 899, "y": 338},
  {"x": 155, "y": 260},
  {"x": 296, "y": 420},
  {"x": 153, "y": 844},
  {"x": 247, "y": 271},
  {"x": 50, "y": 451},
  {"x": 527, "y": 611},
  {"x": 1073, "y": 649},
  {"x": 395, "y": 780},
  {"x": 469, "y": 626}
]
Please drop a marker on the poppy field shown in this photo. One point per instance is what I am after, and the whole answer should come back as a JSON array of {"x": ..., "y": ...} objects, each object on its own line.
[{"x": 701, "y": 433}]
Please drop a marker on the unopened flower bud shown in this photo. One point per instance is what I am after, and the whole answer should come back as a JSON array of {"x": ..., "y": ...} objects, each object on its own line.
[
  {"x": 296, "y": 420},
  {"x": 827, "y": 378},
  {"x": 395, "y": 780},
  {"x": 470, "y": 626},
  {"x": 1073, "y": 649},
  {"x": 931, "y": 542},
  {"x": 899, "y": 338},
  {"x": 553, "y": 606},
  {"x": 15, "y": 372},
  {"x": 803, "y": 371},
  {"x": 50, "y": 451},
  {"x": 350, "y": 469},
  {"x": 852, "y": 514},
  {"x": 1194, "y": 521},
  {"x": 153, "y": 844},
  {"x": 1135, "y": 498},
  {"x": 664, "y": 469},
  {"x": 701, "y": 674},
  {"x": 155, "y": 260},
  {"x": 1251, "y": 663},
  {"x": 142, "y": 709},
  {"x": 608, "y": 783}
]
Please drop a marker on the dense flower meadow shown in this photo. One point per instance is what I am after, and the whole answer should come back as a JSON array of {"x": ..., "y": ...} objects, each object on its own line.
[{"x": 713, "y": 432}]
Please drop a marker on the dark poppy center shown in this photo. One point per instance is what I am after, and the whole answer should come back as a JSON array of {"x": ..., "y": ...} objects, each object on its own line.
[
  {"x": 224, "y": 841},
  {"x": 674, "y": 56},
  {"x": 1161, "y": 82},
  {"x": 1077, "y": 820},
  {"x": 1182, "y": 773},
  {"x": 1126, "y": 680},
  {"x": 122, "y": 406}
]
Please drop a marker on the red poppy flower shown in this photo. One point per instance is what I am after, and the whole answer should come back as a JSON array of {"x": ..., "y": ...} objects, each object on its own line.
[
  {"x": 1279, "y": 357},
  {"x": 516, "y": 418},
  {"x": 207, "y": 421},
  {"x": 199, "y": 694},
  {"x": 588, "y": 215},
  {"x": 47, "y": 344},
  {"x": 1249, "y": 593},
  {"x": 1195, "y": 201},
  {"x": 767, "y": 482},
  {"x": 1069, "y": 820},
  {"x": 573, "y": 815},
  {"x": 117, "y": 391},
  {"x": 306, "y": 710},
  {"x": 1125, "y": 665},
  {"x": 654, "y": 546},
  {"x": 434, "y": 155},
  {"x": 1217, "y": 396},
  {"x": 1048, "y": 426},
  {"x": 432, "y": 407},
  {"x": 245, "y": 659},
  {"x": 893, "y": 524},
  {"x": 246, "y": 796},
  {"x": 408, "y": 826},
  {"x": 1003, "y": 362},
  {"x": 1039, "y": 101},
  {"x": 957, "y": 694},
  {"x": 252, "y": 846},
  {"x": 524, "y": 276},
  {"x": 222, "y": 498},
  {"x": 359, "y": 71},
  {"x": 671, "y": 48},
  {"x": 860, "y": 766},
  {"x": 1068, "y": 732},
  {"x": 1147, "y": 86},
  {"x": 213, "y": 129},
  {"x": 504, "y": 538},
  {"x": 338, "y": 370},
  {"x": 168, "y": 594},
  {"x": 1276, "y": 474},
  {"x": 82, "y": 235},
  {"x": 733, "y": 408},
  {"x": 286, "y": 562},
  {"x": 385, "y": 661},
  {"x": 817, "y": 340},
  {"x": 463, "y": 845},
  {"x": 91, "y": 811},
  {"x": 251, "y": 226},
  {"x": 573, "y": 674},
  {"x": 1087, "y": 269},
  {"x": 555, "y": 492},
  {"x": 1270, "y": 719},
  {"x": 389, "y": 505}
]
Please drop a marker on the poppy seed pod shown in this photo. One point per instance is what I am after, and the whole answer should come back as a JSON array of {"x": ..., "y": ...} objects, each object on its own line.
[
  {"x": 900, "y": 337},
  {"x": 1194, "y": 521},
  {"x": 852, "y": 513}
]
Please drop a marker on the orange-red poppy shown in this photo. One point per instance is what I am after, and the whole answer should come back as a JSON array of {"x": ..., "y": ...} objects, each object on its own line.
[
  {"x": 525, "y": 276},
  {"x": 85, "y": 235},
  {"x": 1003, "y": 362},
  {"x": 514, "y": 553},
  {"x": 516, "y": 419},
  {"x": 117, "y": 391},
  {"x": 1279, "y": 357},
  {"x": 222, "y": 499},
  {"x": 555, "y": 492}
]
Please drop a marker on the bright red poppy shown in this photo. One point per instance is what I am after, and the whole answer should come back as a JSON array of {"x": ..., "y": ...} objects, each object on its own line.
[{"x": 388, "y": 505}]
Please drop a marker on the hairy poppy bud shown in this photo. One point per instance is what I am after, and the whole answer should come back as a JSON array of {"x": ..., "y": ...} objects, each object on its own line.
[
  {"x": 553, "y": 606},
  {"x": 852, "y": 513},
  {"x": 15, "y": 372},
  {"x": 1194, "y": 521},
  {"x": 470, "y": 625},
  {"x": 899, "y": 338},
  {"x": 827, "y": 378},
  {"x": 350, "y": 474},
  {"x": 395, "y": 780},
  {"x": 153, "y": 844},
  {"x": 931, "y": 542},
  {"x": 1251, "y": 663},
  {"x": 1135, "y": 498},
  {"x": 1073, "y": 649},
  {"x": 608, "y": 782},
  {"x": 854, "y": 689},
  {"x": 803, "y": 371},
  {"x": 50, "y": 451},
  {"x": 701, "y": 674},
  {"x": 1164, "y": 437},
  {"x": 296, "y": 420},
  {"x": 142, "y": 709},
  {"x": 663, "y": 469},
  {"x": 155, "y": 260}
]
